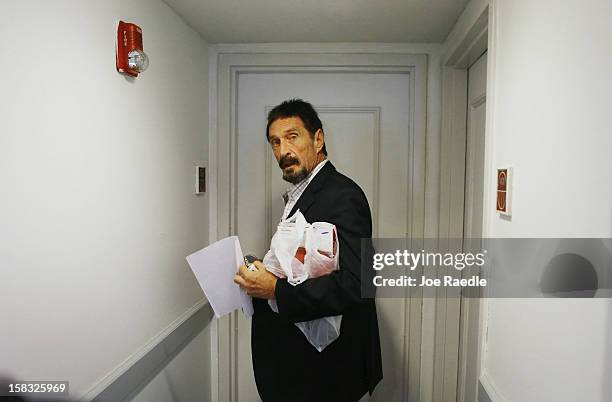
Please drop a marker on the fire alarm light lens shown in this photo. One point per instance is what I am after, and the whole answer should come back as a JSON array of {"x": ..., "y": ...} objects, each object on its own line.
[{"x": 138, "y": 60}]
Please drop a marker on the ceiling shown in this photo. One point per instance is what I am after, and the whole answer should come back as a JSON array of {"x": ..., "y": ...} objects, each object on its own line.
[{"x": 251, "y": 21}]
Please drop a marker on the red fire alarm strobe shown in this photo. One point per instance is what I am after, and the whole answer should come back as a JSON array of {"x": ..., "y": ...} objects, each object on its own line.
[
  {"x": 504, "y": 187},
  {"x": 131, "y": 59}
]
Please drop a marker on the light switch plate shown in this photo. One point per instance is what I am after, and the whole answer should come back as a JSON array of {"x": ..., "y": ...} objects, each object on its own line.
[{"x": 200, "y": 182}]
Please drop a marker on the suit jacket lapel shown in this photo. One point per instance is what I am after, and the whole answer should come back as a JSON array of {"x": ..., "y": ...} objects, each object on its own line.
[{"x": 308, "y": 196}]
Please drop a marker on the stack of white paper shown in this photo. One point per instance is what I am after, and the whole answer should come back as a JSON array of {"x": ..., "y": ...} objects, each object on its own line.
[{"x": 214, "y": 267}]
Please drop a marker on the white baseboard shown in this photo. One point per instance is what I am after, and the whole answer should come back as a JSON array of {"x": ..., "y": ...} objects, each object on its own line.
[
  {"x": 120, "y": 370},
  {"x": 490, "y": 388}
]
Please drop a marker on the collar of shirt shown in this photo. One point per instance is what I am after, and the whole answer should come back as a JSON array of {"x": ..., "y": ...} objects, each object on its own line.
[{"x": 295, "y": 191}]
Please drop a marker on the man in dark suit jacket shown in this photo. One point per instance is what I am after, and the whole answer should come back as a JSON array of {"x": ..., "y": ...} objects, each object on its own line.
[{"x": 287, "y": 367}]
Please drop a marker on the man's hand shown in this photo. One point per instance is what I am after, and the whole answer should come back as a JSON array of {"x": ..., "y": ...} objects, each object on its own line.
[{"x": 260, "y": 283}]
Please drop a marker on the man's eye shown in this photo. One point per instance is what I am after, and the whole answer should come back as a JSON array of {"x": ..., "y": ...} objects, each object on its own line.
[{"x": 275, "y": 143}]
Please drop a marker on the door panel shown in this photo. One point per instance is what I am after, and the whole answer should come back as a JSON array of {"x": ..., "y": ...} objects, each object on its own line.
[{"x": 366, "y": 122}]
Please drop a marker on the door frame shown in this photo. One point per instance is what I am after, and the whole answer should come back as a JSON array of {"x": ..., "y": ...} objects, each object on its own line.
[
  {"x": 474, "y": 33},
  {"x": 226, "y": 63}
]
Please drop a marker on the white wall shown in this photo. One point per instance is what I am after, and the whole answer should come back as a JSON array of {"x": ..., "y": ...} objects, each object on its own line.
[
  {"x": 550, "y": 75},
  {"x": 97, "y": 205}
]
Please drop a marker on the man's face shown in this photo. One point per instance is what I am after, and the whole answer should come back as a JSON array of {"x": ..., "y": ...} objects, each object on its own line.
[{"x": 295, "y": 149}]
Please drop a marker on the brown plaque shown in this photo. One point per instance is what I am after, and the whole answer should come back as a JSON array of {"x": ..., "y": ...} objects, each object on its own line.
[
  {"x": 502, "y": 179},
  {"x": 501, "y": 201}
]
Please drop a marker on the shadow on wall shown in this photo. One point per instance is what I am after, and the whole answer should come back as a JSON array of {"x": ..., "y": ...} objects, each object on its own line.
[{"x": 581, "y": 268}]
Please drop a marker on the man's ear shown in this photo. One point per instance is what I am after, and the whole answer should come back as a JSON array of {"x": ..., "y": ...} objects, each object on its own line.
[{"x": 319, "y": 140}]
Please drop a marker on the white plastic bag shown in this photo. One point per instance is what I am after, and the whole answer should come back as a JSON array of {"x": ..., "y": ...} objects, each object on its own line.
[
  {"x": 320, "y": 243},
  {"x": 281, "y": 260}
]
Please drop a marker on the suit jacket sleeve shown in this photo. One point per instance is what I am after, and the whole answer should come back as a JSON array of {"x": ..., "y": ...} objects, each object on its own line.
[{"x": 335, "y": 293}]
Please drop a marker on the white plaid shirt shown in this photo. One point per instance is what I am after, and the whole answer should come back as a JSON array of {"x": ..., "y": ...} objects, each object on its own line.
[{"x": 293, "y": 194}]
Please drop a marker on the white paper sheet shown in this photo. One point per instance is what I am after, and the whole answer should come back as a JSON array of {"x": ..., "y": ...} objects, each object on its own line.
[{"x": 214, "y": 267}]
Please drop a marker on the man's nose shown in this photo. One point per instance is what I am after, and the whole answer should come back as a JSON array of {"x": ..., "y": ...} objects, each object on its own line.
[{"x": 284, "y": 148}]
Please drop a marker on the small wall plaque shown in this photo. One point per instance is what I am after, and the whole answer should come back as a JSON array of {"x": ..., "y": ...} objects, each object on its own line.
[{"x": 504, "y": 189}]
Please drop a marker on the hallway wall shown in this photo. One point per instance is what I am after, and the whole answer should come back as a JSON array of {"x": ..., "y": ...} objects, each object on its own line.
[
  {"x": 97, "y": 203},
  {"x": 550, "y": 73}
]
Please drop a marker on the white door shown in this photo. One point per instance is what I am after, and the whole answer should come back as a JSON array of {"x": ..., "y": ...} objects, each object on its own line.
[
  {"x": 366, "y": 123},
  {"x": 472, "y": 225}
]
